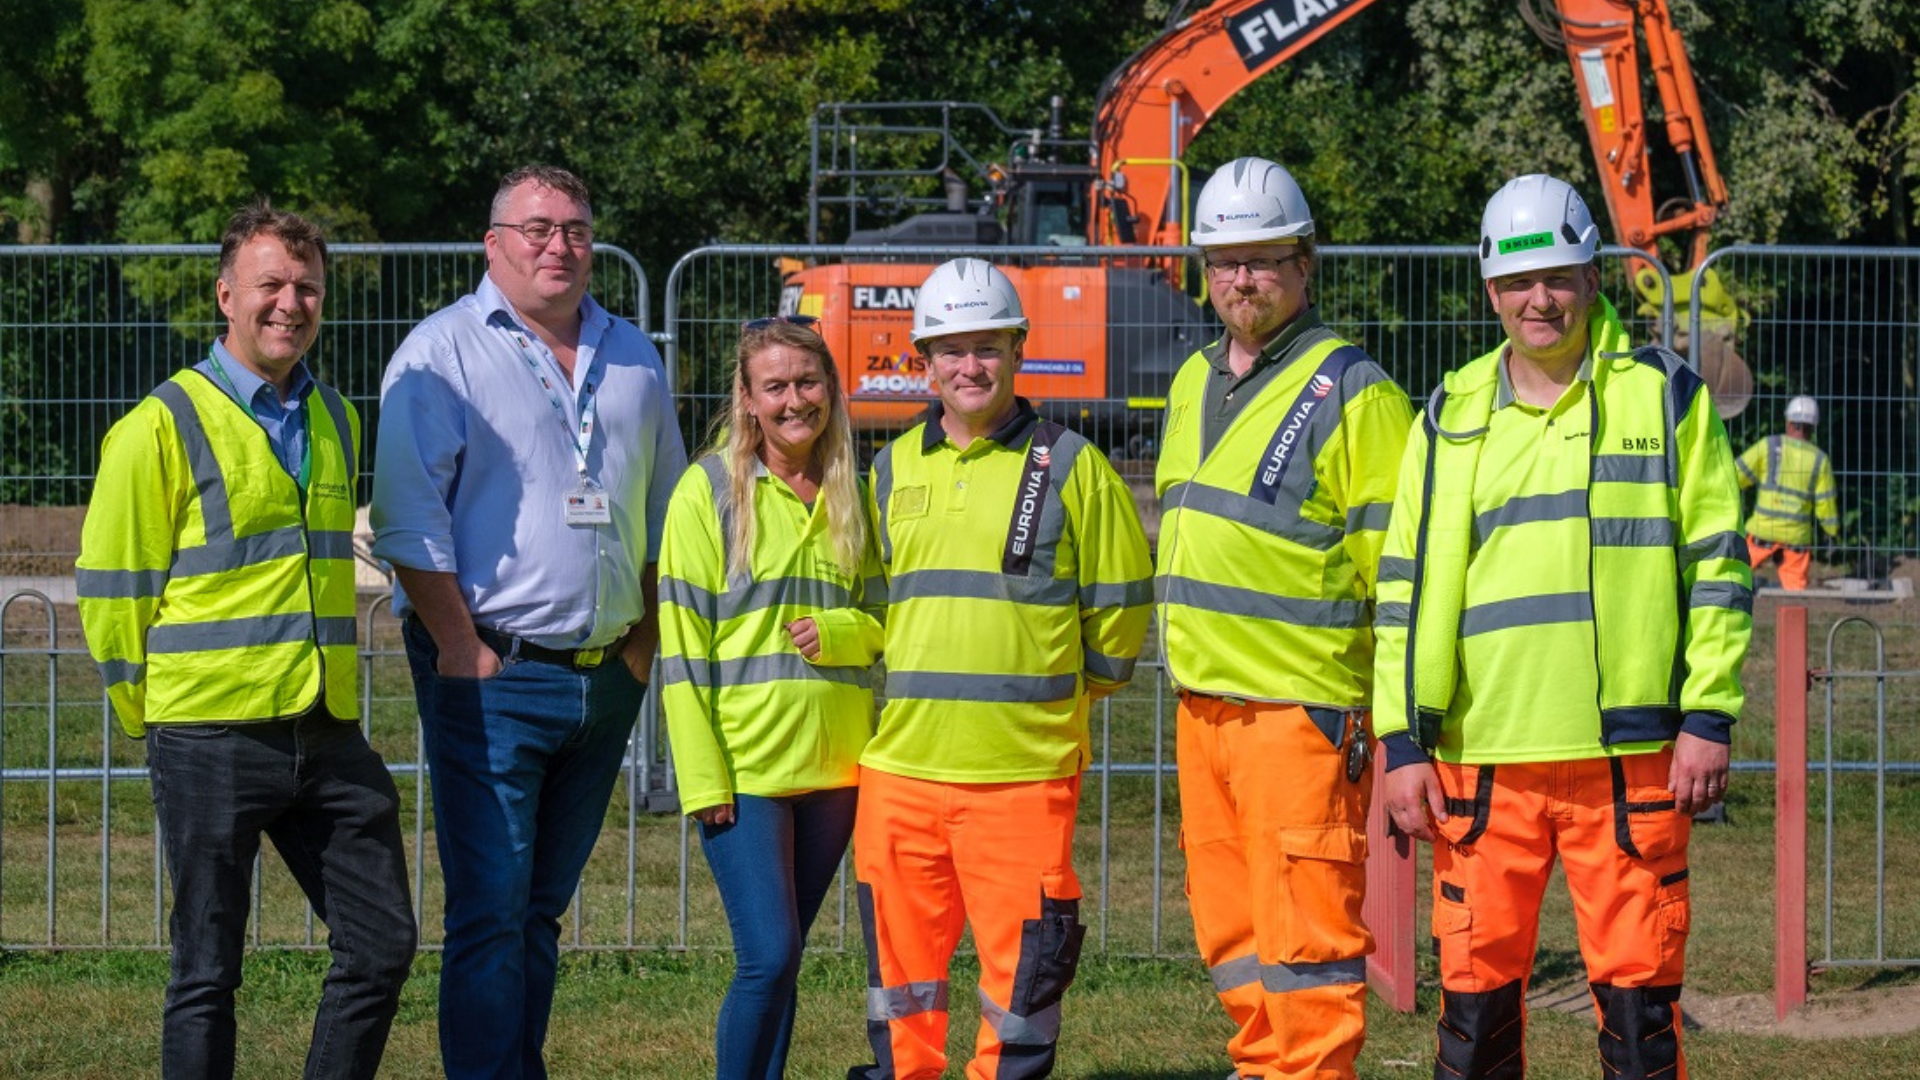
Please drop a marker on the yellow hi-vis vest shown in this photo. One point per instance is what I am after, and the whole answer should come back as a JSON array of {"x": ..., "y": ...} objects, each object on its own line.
[
  {"x": 1269, "y": 543},
  {"x": 1018, "y": 589},
  {"x": 1604, "y": 613},
  {"x": 1796, "y": 485},
  {"x": 210, "y": 591},
  {"x": 746, "y": 712}
]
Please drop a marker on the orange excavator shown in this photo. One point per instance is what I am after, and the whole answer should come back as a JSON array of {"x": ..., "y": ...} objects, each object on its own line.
[{"x": 1107, "y": 338}]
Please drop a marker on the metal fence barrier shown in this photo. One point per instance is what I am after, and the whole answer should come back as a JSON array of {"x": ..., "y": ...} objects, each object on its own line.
[
  {"x": 84, "y": 332},
  {"x": 1858, "y": 756}
]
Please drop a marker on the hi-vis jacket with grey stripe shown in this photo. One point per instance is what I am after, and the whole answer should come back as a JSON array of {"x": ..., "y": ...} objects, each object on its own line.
[
  {"x": 1018, "y": 589},
  {"x": 746, "y": 712},
  {"x": 1566, "y": 582},
  {"x": 1269, "y": 539},
  {"x": 210, "y": 589},
  {"x": 1795, "y": 479}
]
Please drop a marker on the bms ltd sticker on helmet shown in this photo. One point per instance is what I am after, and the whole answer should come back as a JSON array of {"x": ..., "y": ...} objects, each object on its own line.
[{"x": 1526, "y": 243}]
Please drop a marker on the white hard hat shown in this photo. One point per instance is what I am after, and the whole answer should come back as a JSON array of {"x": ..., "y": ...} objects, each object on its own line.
[
  {"x": 1250, "y": 200},
  {"x": 1535, "y": 223},
  {"x": 1803, "y": 410},
  {"x": 962, "y": 296}
]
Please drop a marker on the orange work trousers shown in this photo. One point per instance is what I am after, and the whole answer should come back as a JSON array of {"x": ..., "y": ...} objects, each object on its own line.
[
  {"x": 931, "y": 858},
  {"x": 1615, "y": 828},
  {"x": 1273, "y": 823},
  {"x": 1794, "y": 561}
]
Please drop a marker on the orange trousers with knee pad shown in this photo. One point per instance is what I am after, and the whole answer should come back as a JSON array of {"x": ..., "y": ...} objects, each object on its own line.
[
  {"x": 1273, "y": 811},
  {"x": 933, "y": 857},
  {"x": 1614, "y": 826}
]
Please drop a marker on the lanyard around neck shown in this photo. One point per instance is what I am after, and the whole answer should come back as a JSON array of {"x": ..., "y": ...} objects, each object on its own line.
[
  {"x": 306, "y": 445},
  {"x": 582, "y": 437}
]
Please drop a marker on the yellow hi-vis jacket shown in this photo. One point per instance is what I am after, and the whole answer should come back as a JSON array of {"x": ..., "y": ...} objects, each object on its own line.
[
  {"x": 1563, "y": 583},
  {"x": 746, "y": 712},
  {"x": 210, "y": 590},
  {"x": 1796, "y": 485},
  {"x": 1269, "y": 542},
  {"x": 1018, "y": 589}
]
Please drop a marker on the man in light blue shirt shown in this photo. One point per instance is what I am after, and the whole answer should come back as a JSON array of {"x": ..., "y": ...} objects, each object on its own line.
[{"x": 527, "y": 449}]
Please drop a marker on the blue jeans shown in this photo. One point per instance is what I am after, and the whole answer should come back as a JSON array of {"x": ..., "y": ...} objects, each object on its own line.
[
  {"x": 773, "y": 864},
  {"x": 326, "y": 800},
  {"x": 522, "y": 764}
]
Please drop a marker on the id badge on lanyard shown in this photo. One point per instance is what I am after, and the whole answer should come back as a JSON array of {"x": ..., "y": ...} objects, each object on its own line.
[{"x": 586, "y": 503}]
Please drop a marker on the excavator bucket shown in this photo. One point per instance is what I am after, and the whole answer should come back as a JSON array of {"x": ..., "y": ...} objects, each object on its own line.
[{"x": 1713, "y": 352}]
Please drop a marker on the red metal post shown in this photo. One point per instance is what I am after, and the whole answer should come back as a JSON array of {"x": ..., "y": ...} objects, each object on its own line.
[
  {"x": 1389, "y": 908},
  {"x": 1790, "y": 811}
]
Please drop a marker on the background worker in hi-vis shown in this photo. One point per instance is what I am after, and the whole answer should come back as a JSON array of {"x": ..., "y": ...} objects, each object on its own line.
[
  {"x": 1564, "y": 608},
  {"x": 1795, "y": 481},
  {"x": 1281, "y": 448},
  {"x": 1018, "y": 592}
]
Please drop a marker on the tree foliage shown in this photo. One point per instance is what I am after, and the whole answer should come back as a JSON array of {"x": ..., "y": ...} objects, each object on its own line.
[{"x": 149, "y": 120}]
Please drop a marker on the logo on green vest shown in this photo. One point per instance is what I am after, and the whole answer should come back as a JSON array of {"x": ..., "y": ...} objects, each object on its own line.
[
  {"x": 1526, "y": 243},
  {"x": 329, "y": 490}
]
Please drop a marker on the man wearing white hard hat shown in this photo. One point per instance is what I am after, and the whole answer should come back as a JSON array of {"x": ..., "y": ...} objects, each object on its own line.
[
  {"x": 1019, "y": 592},
  {"x": 1281, "y": 446},
  {"x": 1795, "y": 479},
  {"x": 1565, "y": 605}
]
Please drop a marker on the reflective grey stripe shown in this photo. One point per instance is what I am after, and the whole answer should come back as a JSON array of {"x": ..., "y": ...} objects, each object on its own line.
[
  {"x": 683, "y": 593},
  {"x": 882, "y": 495},
  {"x": 207, "y": 477},
  {"x": 215, "y": 557},
  {"x": 1789, "y": 515},
  {"x": 1393, "y": 613},
  {"x": 333, "y": 630},
  {"x": 1040, "y": 1029},
  {"x": 1526, "y": 611},
  {"x": 1633, "y": 532},
  {"x": 1526, "y": 509},
  {"x": 756, "y": 670},
  {"x": 329, "y": 544},
  {"x": 980, "y": 585},
  {"x": 1395, "y": 568},
  {"x": 115, "y": 672},
  {"x": 1117, "y": 594},
  {"x": 1369, "y": 516},
  {"x": 954, "y": 686},
  {"x": 873, "y": 590},
  {"x": 899, "y": 1002},
  {"x": 1280, "y": 978},
  {"x": 1110, "y": 668},
  {"x": 1252, "y": 604},
  {"x": 252, "y": 630},
  {"x": 1629, "y": 469},
  {"x": 1282, "y": 521},
  {"x": 337, "y": 412},
  {"x": 1235, "y": 973},
  {"x": 1722, "y": 594},
  {"x": 1724, "y": 545},
  {"x": 120, "y": 584},
  {"x": 716, "y": 471},
  {"x": 1745, "y": 469},
  {"x": 756, "y": 596}
]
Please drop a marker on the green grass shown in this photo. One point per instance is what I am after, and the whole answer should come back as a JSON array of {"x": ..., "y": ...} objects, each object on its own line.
[{"x": 651, "y": 1015}]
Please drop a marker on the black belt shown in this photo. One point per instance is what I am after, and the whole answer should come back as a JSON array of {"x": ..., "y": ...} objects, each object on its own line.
[{"x": 508, "y": 645}]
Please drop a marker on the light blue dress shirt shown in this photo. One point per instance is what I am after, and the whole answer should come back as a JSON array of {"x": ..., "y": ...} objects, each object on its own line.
[
  {"x": 472, "y": 466},
  {"x": 285, "y": 423}
]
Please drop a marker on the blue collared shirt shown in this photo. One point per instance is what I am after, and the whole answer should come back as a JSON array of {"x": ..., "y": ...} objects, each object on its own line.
[
  {"x": 284, "y": 422},
  {"x": 473, "y": 465}
]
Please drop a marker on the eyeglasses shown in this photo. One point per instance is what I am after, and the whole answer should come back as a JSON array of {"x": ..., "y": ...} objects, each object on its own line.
[
  {"x": 807, "y": 321},
  {"x": 1228, "y": 269},
  {"x": 538, "y": 233}
]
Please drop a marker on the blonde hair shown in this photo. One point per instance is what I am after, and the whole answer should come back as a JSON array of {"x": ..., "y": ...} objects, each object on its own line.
[{"x": 738, "y": 442}]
